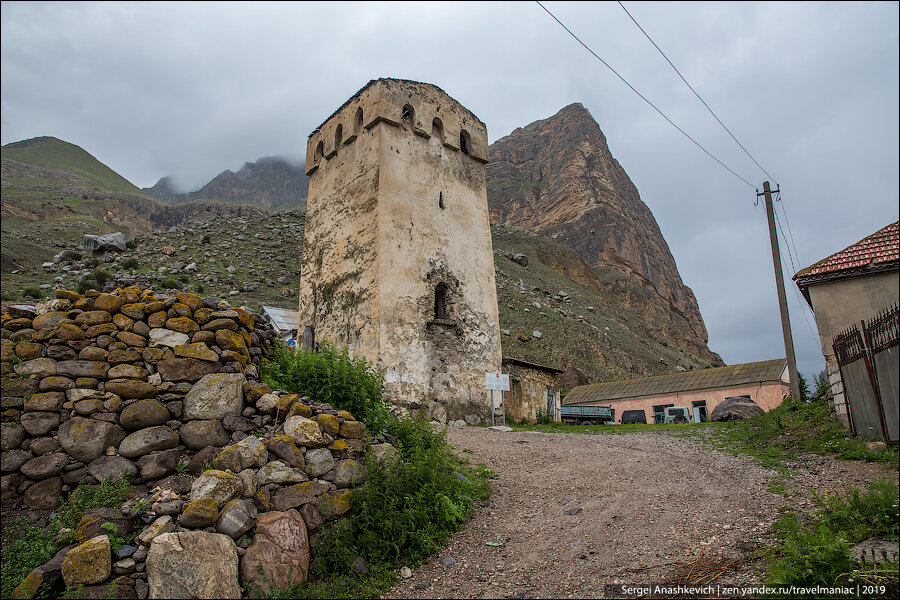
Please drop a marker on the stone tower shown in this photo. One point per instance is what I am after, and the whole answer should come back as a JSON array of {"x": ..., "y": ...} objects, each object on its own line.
[{"x": 397, "y": 262}]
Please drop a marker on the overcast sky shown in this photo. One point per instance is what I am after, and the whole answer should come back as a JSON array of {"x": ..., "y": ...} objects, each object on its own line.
[{"x": 810, "y": 89}]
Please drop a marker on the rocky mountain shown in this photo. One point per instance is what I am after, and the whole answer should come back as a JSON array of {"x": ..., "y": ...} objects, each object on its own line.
[
  {"x": 556, "y": 177},
  {"x": 272, "y": 182}
]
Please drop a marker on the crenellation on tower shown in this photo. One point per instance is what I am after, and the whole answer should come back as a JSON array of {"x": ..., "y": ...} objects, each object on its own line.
[{"x": 397, "y": 262}]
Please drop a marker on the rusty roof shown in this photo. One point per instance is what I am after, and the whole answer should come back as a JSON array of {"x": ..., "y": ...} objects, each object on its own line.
[
  {"x": 768, "y": 371},
  {"x": 881, "y": 247}
]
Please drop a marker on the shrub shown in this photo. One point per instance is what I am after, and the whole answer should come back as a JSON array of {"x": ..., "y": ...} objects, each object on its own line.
[
  {"x": 32, "y": 291},
  {"x": 169, "y": 283},
  {"x": 199, "y": 288},
  {"x": 130, "y": 263},
  {"x": 131, "y": 244},
  {"x": 110, "y": 493},
  {"x": 27, "y": 547},
  {"x": 86, "y": 284},
  {"x": 101, "y": 276},
  {"x": 5, "y": 297},
  {"x": 332, "y": 377},
  {"x": 408, "y": 508}
]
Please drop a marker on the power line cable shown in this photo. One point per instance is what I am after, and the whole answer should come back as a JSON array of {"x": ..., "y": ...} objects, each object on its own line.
[
  {"x": 779, "y": 200},
  {"x": 696, "y": 143},
  {"x": 747, "y": 152}
]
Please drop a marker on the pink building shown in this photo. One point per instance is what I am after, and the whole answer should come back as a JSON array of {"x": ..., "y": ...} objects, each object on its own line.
[{"x": 766, "y": 383}]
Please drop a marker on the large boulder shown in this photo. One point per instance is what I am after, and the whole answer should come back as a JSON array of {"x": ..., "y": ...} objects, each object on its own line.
[
  {"x": 281, "y": 547},
  {"x": 247, "y": 453},
  {"x": 735, "y": 408},
  {"x": 110, "y": 241},
  {"x": 193, "y": 564},
  {"x": 87, "y": 439},
  {"x": 215, "y": 396},
  {"x": 144, "y": 413},
  {"x": 220, "y": 486},
  {"x": 145, "y": 441}
]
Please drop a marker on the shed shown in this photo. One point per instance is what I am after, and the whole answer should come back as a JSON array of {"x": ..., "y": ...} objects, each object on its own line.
[
  {"x": 766, "y": 383},
  {"x": 284, "y": 320},
  {"x": 534, "y": 390}
]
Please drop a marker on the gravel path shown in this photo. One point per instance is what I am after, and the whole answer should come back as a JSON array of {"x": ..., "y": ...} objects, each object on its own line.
[{"x": 572, "y": 512}]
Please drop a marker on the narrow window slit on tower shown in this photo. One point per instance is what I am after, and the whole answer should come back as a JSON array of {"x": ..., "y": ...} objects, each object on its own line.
[
  {"x": 464, "y": 141},
  {"x": 441, "y": 200},
  {"x": 440, "y": 302}
]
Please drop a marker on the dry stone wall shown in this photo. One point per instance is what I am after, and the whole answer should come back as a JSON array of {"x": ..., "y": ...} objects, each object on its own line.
[{"x": 166, "y": 391}]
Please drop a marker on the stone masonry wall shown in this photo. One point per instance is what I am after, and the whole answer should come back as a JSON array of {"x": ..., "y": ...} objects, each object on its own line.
[{"x": 166, "y": 390}]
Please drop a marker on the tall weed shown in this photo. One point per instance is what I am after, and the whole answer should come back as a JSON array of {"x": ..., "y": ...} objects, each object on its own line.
[{"x": 331, "y": 376}]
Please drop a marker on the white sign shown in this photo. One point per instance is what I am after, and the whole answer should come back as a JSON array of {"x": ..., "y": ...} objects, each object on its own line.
[{"x": 496, "y": 381}]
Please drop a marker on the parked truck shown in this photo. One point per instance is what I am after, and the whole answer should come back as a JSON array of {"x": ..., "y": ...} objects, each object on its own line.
[{"x": 587, "y": 415}]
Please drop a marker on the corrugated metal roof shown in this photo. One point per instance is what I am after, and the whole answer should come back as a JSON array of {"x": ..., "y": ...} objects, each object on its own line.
[
  {"x": 882, "y": 246},
  {"x": 283, "y": 319},
  {"x": 718, "y": 377}
]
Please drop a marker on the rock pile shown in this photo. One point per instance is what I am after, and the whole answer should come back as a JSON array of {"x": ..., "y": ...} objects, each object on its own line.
[{"x": 165, "y": 390}]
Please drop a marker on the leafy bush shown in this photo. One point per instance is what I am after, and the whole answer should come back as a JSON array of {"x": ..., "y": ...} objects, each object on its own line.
[
  {"x": 33, "y": 292},
  {"x": 332, "y": 377},
  {"x": 543, "y": 417},
  {"x": 131, "y": 244},
  {"x": 408, "y": 508},
  {"x": 169, "y": 283},
  {"x": 817, "y": 552},
  {"x": 86, "y": 284},
  {"x": 5, "y": 297},
  {"x": 130, "y": 263},
  {"x": 101, "y": 276},
  {"x": 110, "y": 493}
]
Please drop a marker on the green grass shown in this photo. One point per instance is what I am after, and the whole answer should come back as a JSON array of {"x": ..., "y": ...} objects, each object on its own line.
[{"x": 815, "y": 551}]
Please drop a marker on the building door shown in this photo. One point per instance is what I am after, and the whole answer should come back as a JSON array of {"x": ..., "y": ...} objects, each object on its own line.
[
  {"x": 551, "y": 404},
  {"x": 699, "y": 411}
]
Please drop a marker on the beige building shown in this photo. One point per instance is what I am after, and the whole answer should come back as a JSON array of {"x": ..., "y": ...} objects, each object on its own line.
[
  {"x": 397, "y": 262},
  {"x": 766, "y": 383},
  {"x": 850, "y": 286}
]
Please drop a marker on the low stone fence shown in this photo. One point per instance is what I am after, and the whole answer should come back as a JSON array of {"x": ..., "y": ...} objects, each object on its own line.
[{"x": 166, "y": 390}]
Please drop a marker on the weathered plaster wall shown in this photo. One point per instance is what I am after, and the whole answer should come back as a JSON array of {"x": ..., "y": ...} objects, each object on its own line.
[
  {"x": 838, "y": 305},
  {"x": 393, "y": 213},
  {"x": 767, "y": 396},
  {"x": 531, "y": 386}
]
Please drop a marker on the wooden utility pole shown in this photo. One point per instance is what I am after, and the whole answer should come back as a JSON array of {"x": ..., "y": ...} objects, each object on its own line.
[{"x": 782, "y": 300}]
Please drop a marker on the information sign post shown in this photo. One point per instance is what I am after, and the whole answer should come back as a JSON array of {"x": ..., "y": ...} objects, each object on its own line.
[{"x": 497, "y": 381}]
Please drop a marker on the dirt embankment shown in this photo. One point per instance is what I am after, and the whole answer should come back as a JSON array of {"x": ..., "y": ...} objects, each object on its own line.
[{"x": 572, "y": 512}]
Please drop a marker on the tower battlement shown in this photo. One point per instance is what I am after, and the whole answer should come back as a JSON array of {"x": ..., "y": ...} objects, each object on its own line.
[{"x": 422, "y": 109}]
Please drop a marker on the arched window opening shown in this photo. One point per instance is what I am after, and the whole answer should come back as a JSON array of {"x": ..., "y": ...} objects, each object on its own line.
[
  {"x": 338, "y": 136},
  {"x": 437, "y": 129},
  {"x": 358, "y": 120},
  {"x": 440, "y": 302},
  {"x": 409, "y": 116},
  {"x": 464, "y": 141},
  {"x": 320, "y": 151},
  {"x": 441, "y": 202}
]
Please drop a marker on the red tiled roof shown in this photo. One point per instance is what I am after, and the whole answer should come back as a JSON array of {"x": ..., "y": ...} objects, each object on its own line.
[{"x": 882, "y": 246}]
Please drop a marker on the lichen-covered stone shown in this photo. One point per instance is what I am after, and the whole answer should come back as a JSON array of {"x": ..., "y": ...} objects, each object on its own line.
[
  {"x": 319, "y": 462},
  {"x": 199, "y": 513},
  {"x": 40, "y": 423},
  {"x": 328, "y": 423},
  {"x": 348, "y": 473},
  {"x": 236, "y": 518},
  {"x": 214, "y": 396},
  {"x": 199, "y": 434},
  {"x": 131, "y": 339},
  {"x": 87, "y": 439},
  {"x": 37, "y": 367},
  {"x": 305, "y": 432},
  {"x": 93, "y": 317},
  {"x": 144, "y": 413},
  {"x": 46, "y": 401},
  {"x": 298, "y": 494},
  {"x": 82, "y": 368},
  {"x": 283, "y": 447},
  {"x": 185, "y": 369},
  {"x": 247, "y": 453},
  {"x": 280, "y": 473},
  {"x": 197, "y": 350},
  {"x": 334, "y": 503},
  {"x": 131, "y": 388},
  {"x": 145, "y": 441},
  {"x": 352, "y": 429},
  {"x": 217, "y": 485},
  {"x": 111, "y": 303},
  {"x": 88, "y": 563},
  {"x": 183, "y": 325}
]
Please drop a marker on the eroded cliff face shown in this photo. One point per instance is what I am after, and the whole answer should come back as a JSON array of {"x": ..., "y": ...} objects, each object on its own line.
[{"x": 557, "y": 177}]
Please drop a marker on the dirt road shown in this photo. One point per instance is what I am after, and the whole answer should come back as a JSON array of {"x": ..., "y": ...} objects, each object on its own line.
[{"x": 572, "y": 512}]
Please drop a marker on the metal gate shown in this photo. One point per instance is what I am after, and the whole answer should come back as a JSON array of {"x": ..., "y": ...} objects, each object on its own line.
[{"x": 869, "y": 365}]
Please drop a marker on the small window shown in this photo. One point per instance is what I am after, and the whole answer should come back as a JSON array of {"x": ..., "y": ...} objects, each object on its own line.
[
  {"x": 338, "y": 136},
  {"x": 320, "y": 151},
  {"x": 440, "y": 302},
  {"x": 441, "y": 202},
  {"x": 464, "y": 141},
  {"x": 437, "y": 129},
  {"x": 358, "y": 120},
  {"x": 409, "y": 116}
]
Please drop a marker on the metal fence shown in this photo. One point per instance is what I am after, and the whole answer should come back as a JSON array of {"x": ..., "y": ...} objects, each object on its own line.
[{"x": 869, "y": 360}]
